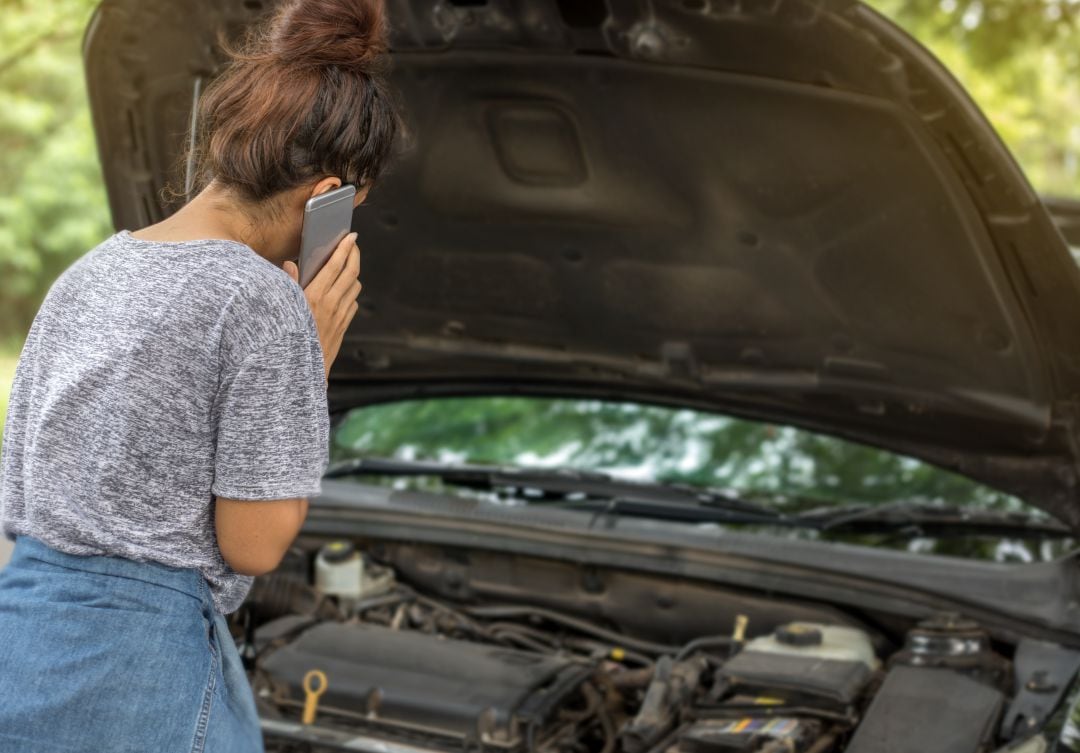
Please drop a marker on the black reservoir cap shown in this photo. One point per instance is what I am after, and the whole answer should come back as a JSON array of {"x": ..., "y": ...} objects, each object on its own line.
[{"x": 799, "y": 635}]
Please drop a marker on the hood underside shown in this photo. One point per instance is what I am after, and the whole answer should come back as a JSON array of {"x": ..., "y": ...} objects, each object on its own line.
[{"x": 780, "y": 208}]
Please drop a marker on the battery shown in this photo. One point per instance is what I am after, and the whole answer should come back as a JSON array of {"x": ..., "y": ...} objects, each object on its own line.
[{"x": 740, "y": 735}]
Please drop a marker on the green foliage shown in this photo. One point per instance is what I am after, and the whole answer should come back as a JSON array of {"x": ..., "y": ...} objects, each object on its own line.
[
  {"x": 7, "y": 373},
  {"x": 651, "y": 442},
  {"x": 52, "y": 202}
]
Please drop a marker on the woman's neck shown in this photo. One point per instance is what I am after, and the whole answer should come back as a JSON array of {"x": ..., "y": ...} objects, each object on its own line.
[{"x": 210, "y": 214}]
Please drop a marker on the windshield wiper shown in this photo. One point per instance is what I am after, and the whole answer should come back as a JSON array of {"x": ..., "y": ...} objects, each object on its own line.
[
  {"x": 919, "y": 518},
  {"x": 575, "y": 489},
  {"x": 603, "y": 494},
  {"x": 912, "y": 520}
]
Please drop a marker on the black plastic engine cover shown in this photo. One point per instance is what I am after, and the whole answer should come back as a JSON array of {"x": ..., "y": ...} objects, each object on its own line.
[
  {"x": 402, "y": 679},
  {"x": 923, "y": 710},
  {"x": 798, "y": 680}
]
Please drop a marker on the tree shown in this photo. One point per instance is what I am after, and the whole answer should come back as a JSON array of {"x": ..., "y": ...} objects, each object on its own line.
[{"x": 52, "y": 201}]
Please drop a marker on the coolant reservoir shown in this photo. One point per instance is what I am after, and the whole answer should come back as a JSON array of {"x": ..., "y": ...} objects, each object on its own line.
[
  {"x": 339, "y": 570},
  {"x": 818, "y": 641},
  {"x": 803, "y": 663}
]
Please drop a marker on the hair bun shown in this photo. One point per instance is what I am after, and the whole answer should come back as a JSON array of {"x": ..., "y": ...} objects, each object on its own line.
[{"x": 320, "y": 33}]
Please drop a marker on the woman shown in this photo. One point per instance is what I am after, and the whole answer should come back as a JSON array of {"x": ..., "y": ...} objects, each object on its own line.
[{"x": 168, "y": 417}]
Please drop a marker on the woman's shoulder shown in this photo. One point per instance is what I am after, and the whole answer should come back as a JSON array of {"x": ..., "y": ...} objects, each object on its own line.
[
  {"x": 221, "y": 288},
  {"x": 263, "y": 303},
  {"x": 251, "y": 280}
]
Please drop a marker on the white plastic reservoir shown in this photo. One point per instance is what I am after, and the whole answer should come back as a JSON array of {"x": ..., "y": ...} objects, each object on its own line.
[
  {"x": 811, "y": 639},
  {"x": 339, "y": 570}
]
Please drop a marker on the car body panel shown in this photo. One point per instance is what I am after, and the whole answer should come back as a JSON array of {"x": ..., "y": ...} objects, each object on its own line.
[{"x": 1036, "y": 600}]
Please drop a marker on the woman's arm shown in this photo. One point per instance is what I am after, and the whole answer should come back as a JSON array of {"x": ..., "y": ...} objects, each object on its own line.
[{"x": 254, "y": 536}]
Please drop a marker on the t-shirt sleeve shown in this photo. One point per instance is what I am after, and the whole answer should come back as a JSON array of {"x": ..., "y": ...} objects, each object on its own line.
[{"x": 272, "y": 422}]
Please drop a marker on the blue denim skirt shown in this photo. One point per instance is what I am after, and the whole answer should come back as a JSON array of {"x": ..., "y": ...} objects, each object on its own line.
[{"x": 104, "y": 654}]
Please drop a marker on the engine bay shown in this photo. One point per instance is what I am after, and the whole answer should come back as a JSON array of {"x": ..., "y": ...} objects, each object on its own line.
[{"x": 350, "y": 649}]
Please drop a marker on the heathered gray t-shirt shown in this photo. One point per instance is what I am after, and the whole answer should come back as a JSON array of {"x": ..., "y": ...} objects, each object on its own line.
[{"x": 156, "y": 375}]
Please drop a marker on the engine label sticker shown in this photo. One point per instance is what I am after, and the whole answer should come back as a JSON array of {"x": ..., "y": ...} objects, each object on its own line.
[{"x": 756, "y": 725}]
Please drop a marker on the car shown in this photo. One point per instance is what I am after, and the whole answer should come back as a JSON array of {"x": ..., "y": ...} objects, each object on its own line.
[{"x": 714, "y": 388}]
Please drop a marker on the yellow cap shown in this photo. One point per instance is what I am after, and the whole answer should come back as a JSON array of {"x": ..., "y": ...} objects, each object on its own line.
[
  {"x": 741, "y": 622},
  {"x": 766, "y": 700}
]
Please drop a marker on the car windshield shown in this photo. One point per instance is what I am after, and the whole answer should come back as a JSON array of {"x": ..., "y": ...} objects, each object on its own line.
[{"x": 781, "y": 467}]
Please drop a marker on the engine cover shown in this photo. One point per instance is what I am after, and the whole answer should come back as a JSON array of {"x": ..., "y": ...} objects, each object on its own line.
[
  {"x": 928, "y": 710},
  {"x": 451, "y": 691}
]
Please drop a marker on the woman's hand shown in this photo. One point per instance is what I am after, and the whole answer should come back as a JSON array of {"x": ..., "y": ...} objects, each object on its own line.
[{"x": 332, "y": 295}]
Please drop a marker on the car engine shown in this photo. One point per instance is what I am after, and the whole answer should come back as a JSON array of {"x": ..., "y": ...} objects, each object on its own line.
[{"x": 361, "y": 661}]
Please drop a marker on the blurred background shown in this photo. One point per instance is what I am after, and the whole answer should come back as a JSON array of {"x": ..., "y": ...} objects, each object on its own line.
[{"x": 52, "y": 203}]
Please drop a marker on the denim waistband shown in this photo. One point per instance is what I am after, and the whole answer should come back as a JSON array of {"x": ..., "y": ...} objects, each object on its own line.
[{"x": 184, "y": 580}]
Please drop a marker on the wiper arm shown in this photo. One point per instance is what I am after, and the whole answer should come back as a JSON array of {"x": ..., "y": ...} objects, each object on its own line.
[
  {"x": 681, "y": 511},
  {"x": 902, "y": 518},
  {"x": 921, "y": 517},
  {"x": 557, "y": 481},
  {"x": 577, "y": 489}
]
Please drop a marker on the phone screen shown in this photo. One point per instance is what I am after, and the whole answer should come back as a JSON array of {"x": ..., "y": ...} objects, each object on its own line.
[{"x": 327, "y": 219}]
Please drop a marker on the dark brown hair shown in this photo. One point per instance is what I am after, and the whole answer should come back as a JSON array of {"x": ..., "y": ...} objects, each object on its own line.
[{"x": 303, "y": 97}]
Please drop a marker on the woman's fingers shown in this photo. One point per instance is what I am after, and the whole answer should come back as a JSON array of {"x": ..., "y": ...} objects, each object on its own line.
[
  {"x": 332, "y": 296},
  {"x": 353, "y": 291},
  {"x": 348, "y": 277},
  {"x": 345, "y": 308},
  {"x": 326, "y": 277},
  {"x": 353, "y": 308}
]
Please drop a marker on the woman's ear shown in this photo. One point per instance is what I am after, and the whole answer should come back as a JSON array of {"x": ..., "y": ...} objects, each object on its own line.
[{"x": 324, "y": 185}]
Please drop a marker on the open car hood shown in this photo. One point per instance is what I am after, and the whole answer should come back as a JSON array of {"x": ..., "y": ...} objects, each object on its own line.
[{"x": 782, "y": 209}]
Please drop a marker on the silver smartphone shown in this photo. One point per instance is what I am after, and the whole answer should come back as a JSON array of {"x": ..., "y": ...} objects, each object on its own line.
[{"x": 327, "y": 218}]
